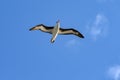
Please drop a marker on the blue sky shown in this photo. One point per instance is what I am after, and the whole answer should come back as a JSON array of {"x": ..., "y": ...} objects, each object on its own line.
[{"x": 26, "y": 55}]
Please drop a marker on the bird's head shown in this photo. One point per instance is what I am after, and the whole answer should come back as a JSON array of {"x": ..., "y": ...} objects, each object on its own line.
[{"x": 37, "y": 27}]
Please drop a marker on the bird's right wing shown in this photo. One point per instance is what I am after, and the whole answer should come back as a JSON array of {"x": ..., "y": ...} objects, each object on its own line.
[{"x": 70, "y": 31}]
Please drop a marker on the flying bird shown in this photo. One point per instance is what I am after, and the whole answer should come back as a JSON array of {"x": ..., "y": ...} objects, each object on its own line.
[{"x": 55, "y": 30}]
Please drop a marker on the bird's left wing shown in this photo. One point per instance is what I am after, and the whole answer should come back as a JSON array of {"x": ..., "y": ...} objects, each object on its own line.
[{"x": 43, "y": 28}]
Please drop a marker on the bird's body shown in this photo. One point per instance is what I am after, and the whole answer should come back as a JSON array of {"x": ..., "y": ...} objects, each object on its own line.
[{"x": 57, "y": 30}]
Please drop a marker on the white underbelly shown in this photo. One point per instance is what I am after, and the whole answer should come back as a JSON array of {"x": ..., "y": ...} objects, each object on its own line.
[{"x": 55, "y": 33}]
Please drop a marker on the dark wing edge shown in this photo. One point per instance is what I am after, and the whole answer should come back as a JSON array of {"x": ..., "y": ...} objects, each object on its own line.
[
  {"x": 31, "y": 28},
  {"x": 46, "y": 27},
  {"x": 73, "y": 31},
  {"x": 77, "y": 33}
]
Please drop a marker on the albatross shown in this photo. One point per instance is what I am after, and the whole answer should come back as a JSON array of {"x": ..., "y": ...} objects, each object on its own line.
[{"x": 55, "y": 30}]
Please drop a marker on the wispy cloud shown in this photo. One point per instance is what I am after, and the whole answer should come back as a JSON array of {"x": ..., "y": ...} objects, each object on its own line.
[
  {"x": 114, "y": 72},
  {"x": 71, "y": 42},
  {"x": 98, "y": 27}
]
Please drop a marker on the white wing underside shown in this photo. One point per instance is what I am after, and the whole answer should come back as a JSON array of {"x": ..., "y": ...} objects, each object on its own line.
[{"x": 66, "y": 32}]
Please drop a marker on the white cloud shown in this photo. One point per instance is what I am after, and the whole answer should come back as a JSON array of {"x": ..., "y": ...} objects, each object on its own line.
[
  {"x": 71, "y": 42},
  {"x": 114, "y": 72},
  {"x": 98, "y": 28}
]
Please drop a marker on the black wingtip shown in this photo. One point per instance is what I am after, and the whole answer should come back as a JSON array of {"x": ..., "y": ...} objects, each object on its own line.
[
  {"x": 82, "y": 36},
  {"x": 30, "y": 29}
]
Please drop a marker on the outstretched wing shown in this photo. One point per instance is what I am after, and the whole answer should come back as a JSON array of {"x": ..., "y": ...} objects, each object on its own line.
[
  {"x": 42, "y": 28},
  {"x": 70, "y": 31}
]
